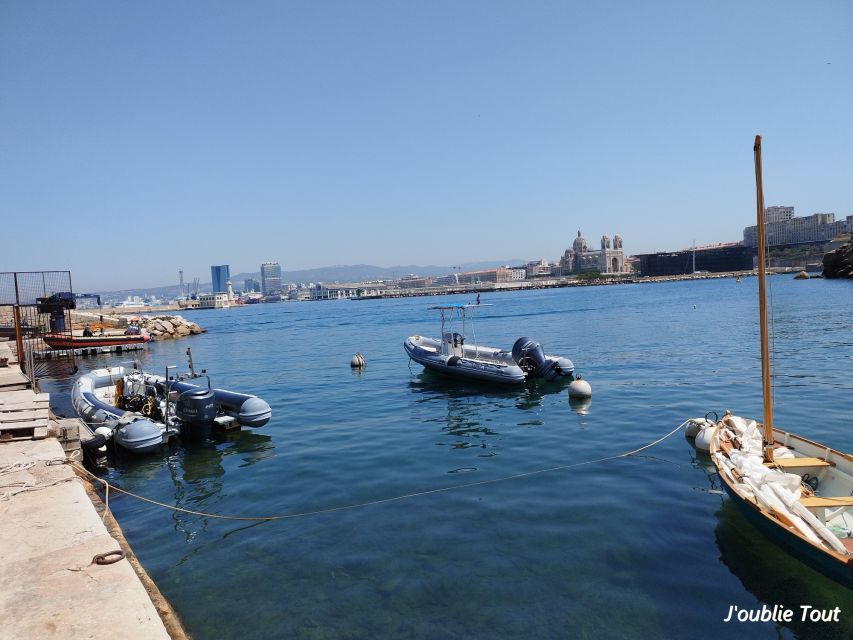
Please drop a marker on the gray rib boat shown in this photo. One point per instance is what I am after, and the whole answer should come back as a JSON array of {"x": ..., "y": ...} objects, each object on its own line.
[
  {"x": 453, "y": 355},
  {"x": 140, "y": 411}
]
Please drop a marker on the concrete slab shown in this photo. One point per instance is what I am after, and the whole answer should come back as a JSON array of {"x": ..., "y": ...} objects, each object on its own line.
[
  {"x": 49, "y": 536},
  {"x": 108, "y": 600}
]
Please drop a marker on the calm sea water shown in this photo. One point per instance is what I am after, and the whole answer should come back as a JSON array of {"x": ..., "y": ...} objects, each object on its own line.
[{"x": 640, "y": 547}]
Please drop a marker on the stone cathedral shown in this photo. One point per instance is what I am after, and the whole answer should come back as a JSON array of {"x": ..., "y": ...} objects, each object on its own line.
[{"x": 580, "y": 259}]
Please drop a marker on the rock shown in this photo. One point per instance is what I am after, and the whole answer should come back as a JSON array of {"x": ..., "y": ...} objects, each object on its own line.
[
  {"x": 839, "y": 263},
  {"x": 182, "y": 330},
  {"x": 167, "y": 326},
  {"x": 195, "y": 329}
]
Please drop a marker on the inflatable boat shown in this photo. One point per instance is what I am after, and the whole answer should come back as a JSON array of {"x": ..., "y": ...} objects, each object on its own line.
[
  {"x": 139, "y": 411},
  {"x": 452, "y": 354}
]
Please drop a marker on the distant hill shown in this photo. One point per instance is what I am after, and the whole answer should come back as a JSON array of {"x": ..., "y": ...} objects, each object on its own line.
[{"x": 336, "y": 273}]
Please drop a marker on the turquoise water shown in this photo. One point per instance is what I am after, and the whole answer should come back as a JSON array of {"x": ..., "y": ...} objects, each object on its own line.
[{"x": 640, "y": 547}]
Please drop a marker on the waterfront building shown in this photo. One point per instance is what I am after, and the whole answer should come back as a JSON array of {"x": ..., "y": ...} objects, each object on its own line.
[
  {"x": 713, "y": 259},
  {"x": 537, "y": 268},
  {"x": 219, "y": 275},
  {"x": 449, "y": 280},
  {"x": 322, "y": 291},
  {"x": 213, "y": 301},
  {"x": 785, "y": 229},
  {"x": 250, "y": 285},
  {"x": 778, "y": 214},
  {"x": 271, "y": 278},
  {"x": 500, "y": 274},
  {"x": 581, "y": 259},
  {"x": 415, "y": 282}
]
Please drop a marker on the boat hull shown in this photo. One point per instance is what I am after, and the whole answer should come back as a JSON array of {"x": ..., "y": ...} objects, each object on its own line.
[
  {"x": 806, "y": 553},
  {"x": 462, "y": 367},
  {"x": 834, "y": 565},
  {"x": 64, "y": 341},
  {"x": 133, "y": 432}
]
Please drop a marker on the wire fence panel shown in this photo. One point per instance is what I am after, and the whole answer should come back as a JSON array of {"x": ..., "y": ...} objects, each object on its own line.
[{"x": 35, "y": 309}]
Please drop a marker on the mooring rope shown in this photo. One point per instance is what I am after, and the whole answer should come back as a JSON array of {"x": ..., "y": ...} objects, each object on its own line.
[{"x": 302, "y": 514}]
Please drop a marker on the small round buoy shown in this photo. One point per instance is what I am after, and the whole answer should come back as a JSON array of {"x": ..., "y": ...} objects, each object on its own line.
[
  {"x": 703, "y": 438},
  {"x": 695, "y": 425},
  {"x": 579, "y": 388},
  {"x": 357, "y": 361}
]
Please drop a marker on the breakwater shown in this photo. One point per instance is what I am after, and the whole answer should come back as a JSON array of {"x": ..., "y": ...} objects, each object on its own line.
[
  {"x": 161, "y": 327},
  {"x": 166, "y": 327}
]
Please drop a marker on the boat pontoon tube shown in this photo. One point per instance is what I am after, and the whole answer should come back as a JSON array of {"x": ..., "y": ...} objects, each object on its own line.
[{"x": 249, "y": 411}]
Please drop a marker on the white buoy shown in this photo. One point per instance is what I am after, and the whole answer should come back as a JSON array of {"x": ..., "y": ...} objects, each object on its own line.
[
  {"x": 580, "y": 388},
  {"x": 703, "y": 438},
  {"x": 695, "y": 425},
  {"x": 357, "y": 361},
  {"x": 105, "y": 431}
]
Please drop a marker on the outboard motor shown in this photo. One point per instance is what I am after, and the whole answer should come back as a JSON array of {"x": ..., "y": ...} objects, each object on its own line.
[
  {"x": 196, "y": 407},
  {"x": 528, "y": 354}
]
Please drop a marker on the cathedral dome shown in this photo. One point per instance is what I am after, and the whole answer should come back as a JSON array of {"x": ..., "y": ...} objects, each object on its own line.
[
  {"x": 580, "y": 244},
  {"x": 617, "y": 241},
  {"x": 605, "y": 242}
]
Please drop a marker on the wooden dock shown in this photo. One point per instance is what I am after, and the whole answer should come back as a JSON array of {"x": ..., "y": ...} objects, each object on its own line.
[
  {"x": 24, "y": 415},
  {"x": 49, "y": 354}
]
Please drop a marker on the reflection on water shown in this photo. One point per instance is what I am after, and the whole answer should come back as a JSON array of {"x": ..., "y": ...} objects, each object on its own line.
[
  {"x": 195, "y": 468},
  {"x": 580, "y": 405},
  {"x": 774, "y": 577},
  {"x": 470, "y": 406}
]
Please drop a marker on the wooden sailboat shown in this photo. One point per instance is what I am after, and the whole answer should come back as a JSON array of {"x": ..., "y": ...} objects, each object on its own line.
[{"x": 799, "y": 493}]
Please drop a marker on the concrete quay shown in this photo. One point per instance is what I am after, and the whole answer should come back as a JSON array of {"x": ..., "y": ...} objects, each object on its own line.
[{"x": 51, "y": 534}]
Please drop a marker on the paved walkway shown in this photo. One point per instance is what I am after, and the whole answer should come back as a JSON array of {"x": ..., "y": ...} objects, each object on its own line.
[
  {"x": 50, "y": 587},
  {"x": 49, "y": 534}
]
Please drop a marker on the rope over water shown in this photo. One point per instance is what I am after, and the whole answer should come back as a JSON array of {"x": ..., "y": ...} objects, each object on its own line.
[{"x": 417, "y": 494}]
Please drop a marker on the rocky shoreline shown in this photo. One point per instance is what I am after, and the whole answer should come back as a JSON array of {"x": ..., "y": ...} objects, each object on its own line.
[
  {"x": 839, "y": 263},
  {"x": 168, "y": 327}
]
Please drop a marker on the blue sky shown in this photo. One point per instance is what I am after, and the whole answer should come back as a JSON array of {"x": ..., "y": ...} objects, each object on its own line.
[{"x": 138, "y": 138}]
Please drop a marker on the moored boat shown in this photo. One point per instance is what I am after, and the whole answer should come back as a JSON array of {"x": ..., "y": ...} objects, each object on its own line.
[
  {"x": 453, "y": 355},
  {"x": 67, "y": 341},
  {"x": 796, "y": 491},
  {"x": 139, "y": 411}
]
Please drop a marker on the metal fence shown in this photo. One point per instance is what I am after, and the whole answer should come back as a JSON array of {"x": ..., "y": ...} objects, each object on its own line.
[{"x": 35, "y": 305}]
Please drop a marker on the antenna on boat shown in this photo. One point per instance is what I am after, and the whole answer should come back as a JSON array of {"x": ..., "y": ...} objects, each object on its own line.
[
  {"x": 762, "y": 308},
  {"x": 190, "y": 361}
]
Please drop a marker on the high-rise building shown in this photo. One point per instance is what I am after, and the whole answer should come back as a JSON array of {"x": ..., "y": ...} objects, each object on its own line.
[
  {"x": 219, "y": 275},
  {"x": 271, "y": 278},
  {"x": 778, "y": 214},
  {"x": 250, "y": 285}
]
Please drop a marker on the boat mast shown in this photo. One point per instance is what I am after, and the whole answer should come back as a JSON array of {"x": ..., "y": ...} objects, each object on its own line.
[{"x": 762, "y": 308}]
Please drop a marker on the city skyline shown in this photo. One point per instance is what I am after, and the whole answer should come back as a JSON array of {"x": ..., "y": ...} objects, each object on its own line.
[{"x": 396, "y": 134}]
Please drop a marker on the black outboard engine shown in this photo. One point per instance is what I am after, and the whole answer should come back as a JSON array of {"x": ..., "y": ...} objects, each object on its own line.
[
  {"x": 196, "y": 407},
  {"x": 528, "y": 355}
]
